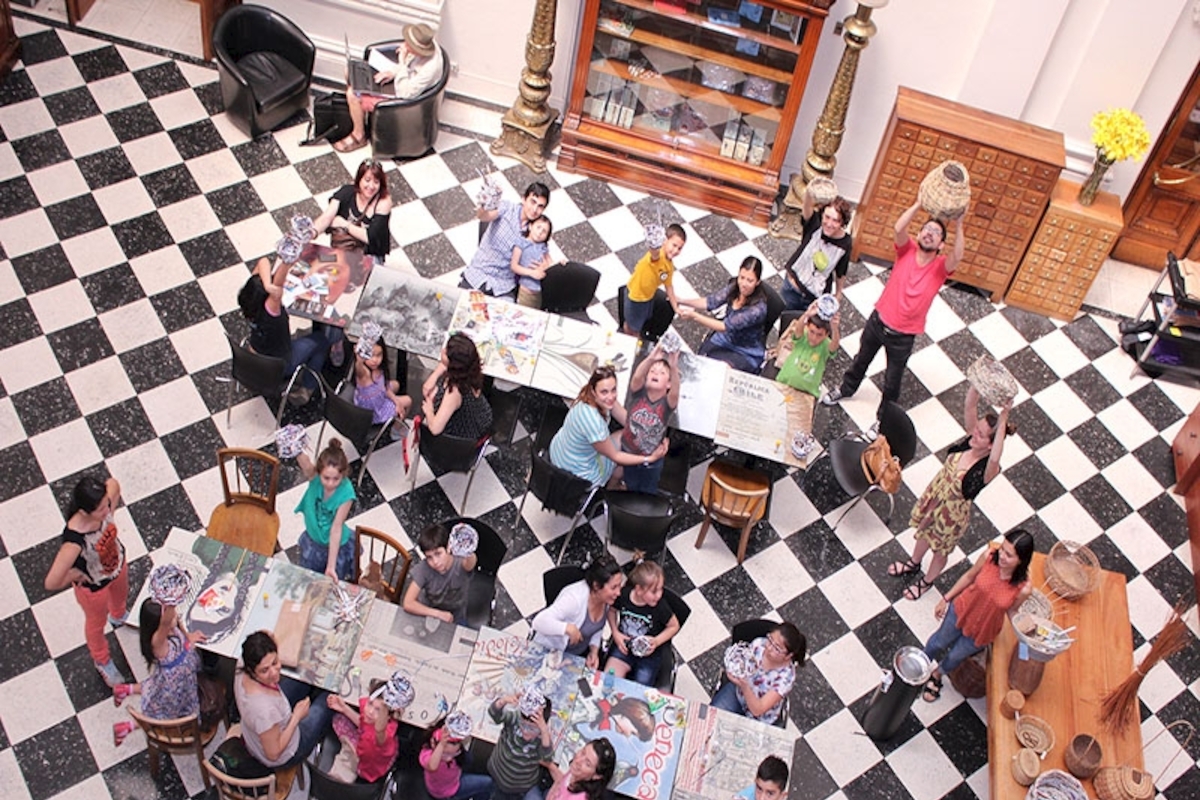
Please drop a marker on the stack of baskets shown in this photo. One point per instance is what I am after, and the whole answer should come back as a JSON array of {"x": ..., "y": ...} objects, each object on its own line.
[
  {"x": 946, "y": 191},
  {"x": 1072, "y": 570}
]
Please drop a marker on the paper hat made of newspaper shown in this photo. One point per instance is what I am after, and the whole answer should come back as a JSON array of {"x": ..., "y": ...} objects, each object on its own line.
[
  {"x": 397, "y": 693},
  {"x": 169, "y": 584}
]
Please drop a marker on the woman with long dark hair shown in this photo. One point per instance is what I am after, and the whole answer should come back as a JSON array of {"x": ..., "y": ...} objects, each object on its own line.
[
  {"x": 588, "y": 774},
  {"x": 452, "y": 396},
  {"x": 973, "y": 611},
  {"x": 574, "y": 621},
  {"x": 760, "y": 695},
  {"x": 358, "y": 213},
  {"x": 739, "y": 339}
]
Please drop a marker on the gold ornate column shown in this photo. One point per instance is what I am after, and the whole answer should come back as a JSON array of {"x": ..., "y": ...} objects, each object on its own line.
[
  {"x": 525, "y": 126},
  {"x": 831, "y": 125}
]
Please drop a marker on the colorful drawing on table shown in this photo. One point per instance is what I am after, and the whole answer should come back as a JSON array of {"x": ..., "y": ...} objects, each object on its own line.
[
  {"x": 432, "y": 653},
  {"x": 762, "y": 417},
  {"x": 645, "y": 728},
  {"x": 508, "y": 336},
  {"x": 572, "y": 349},
  {"x": 698, "y": 403},
  {"x": 413, "y": 312},
  {"x": 227, "y": 579},
  {"x": 722, "y": 751},
  {"x": 322, "y": 285},
  {"x": 504, "y": 664}
]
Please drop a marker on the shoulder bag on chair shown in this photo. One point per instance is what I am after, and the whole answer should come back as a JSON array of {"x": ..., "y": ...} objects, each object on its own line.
[
  {"x": 330, "y": 119},
  {"x": 880, "y": 466}
]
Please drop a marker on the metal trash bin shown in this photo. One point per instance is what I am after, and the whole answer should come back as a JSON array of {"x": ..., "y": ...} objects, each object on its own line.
[{"x": 896, "y": 692}]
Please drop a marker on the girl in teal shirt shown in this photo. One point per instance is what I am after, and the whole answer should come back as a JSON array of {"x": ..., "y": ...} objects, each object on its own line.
[{"x": 327, "y": 544}]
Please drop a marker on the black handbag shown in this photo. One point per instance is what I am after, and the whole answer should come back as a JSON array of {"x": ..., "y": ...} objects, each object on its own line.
[
  {"x": 235, "y": 760},
  {"x": 330, "y": 119}
]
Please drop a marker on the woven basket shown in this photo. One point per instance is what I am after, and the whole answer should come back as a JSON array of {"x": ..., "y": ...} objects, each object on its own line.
[
  {"x": 1054, "y": 784},
  {"x": 995, "y": 384},
  {"x": 1082, "y": 756},
  {"x": 1025, "y": 766},
  {"x": 1071, "y": 570},
  {"x": 1038, "y": 605},
  {"x": 1123, "y": 783},
  {"x": 1035, "y": 733},
  {"x": 946, "y": 191},
  {"x": 822, "y": 190}
]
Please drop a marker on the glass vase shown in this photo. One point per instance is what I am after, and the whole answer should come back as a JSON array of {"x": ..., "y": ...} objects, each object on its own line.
[{"x": 1087, "y": 193}]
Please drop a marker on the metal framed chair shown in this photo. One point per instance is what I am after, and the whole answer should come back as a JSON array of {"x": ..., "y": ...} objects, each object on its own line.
[
  {"x": 747, "y": 631},
  {"x": 261, "y": 375},
  {"x": 393, "y": 559},
  {"x": 558, "y": 578},
  {"x": 845, "y": 456},
  {"x": 669, "y": 666},
  {"x": 734, "y": 496},
  {"x": 560, "y": 491},
  {"x": 489, "y": 555},
  {"x": 182, "y": 735},
  {"x": 639, "y": 521},
  {"x": 355, "y": 423},
  {"x": 568, "y": 289},
  {"x": 676, "y": 466},
  {"x": 451, "y": 454},
  {"x": 661, "y": 316},
  {"x": 247, "y": 517}
]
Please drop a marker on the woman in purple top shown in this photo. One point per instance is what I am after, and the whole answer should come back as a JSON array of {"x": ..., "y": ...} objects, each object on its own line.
[{"x": 739, "y": 339}]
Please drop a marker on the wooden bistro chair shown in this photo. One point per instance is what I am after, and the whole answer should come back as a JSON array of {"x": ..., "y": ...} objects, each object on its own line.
[
  {"x": 277, "y": 785},
  {"x": 182, "y": 735},
  {"x": 247, "y": 518},
  {"x": 392, "y": 558},
  {"x": 734, "y": 496}
]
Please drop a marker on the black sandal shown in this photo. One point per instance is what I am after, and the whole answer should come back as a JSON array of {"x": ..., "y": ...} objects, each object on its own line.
[
  {"x": 917, "y": 588},
  {"x": 932, "y": 690},
  {"x": 898, "y": 569}
]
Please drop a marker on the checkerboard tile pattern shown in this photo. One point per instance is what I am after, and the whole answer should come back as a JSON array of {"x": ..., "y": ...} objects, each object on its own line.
[{"x": 129, "y": 210}]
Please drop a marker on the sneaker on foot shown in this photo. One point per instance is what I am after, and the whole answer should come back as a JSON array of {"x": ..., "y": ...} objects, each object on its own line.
[
  {"x": 120, "y": 692},
  {"x": 832, "y": 397},
  {"x": 872, "y": 433},
  {"x": 121, "y": 730},
  {"x": 112, "y": 676}
]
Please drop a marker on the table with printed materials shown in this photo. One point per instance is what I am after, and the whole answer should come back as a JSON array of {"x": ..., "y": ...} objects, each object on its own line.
[{"x": 323, "y": 285}]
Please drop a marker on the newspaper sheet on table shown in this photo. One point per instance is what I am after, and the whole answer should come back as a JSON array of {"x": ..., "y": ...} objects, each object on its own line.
[
  {"x": 761, "y": 417},
  {"x": 508, "y": 336},
  {"x": 433, "y": 654},
  {"x": 414, "y": 312},
  {"x": 323, "y": 285},
  {"x": 699, "y": 398},
  {"x": 572, "y": 349},
  {"x": 722, "y": 751}
]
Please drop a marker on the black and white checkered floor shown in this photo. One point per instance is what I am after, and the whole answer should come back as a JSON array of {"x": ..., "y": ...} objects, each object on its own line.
[{"x": 129, "y": 208}]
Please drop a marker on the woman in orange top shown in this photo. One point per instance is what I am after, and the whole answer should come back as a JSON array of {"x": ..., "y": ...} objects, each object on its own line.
[{"x": 973, "y": 611}]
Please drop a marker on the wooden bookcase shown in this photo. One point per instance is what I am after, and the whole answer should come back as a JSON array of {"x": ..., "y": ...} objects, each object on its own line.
[
  {"x": 10, "y": 45},
  {"x": 1013, "y": 167},
  {"x": 1068, "y": 249},
  {"x": 691, "y": 99}
]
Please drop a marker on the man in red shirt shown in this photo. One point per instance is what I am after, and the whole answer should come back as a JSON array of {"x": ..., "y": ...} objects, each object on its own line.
[{"x": 917, "y": 275}]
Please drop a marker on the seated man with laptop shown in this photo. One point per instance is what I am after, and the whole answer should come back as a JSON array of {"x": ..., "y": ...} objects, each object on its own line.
[{"x": 418, "y": 65}]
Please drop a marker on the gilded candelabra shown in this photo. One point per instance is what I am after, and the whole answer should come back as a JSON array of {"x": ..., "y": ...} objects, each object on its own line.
[
  {"x": 831, "y": 125},
  {"x": 525, "y": 126}
]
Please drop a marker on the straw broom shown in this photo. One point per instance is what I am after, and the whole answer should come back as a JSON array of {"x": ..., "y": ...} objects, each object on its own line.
[{"x": 1119, "y": 707}]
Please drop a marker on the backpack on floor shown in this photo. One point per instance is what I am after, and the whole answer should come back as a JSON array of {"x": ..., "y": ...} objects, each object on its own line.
[{"x": 330, "y": 119}]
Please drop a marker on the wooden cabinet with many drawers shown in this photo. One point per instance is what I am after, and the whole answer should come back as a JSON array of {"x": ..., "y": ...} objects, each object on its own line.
[
  {"x": 1067, "y": 251},
  {"x": 1013, "y": 168}
]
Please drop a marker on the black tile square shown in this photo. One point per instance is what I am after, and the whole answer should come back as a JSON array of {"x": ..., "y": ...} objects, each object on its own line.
[
  {"x": 467, "y": 161},
  {"x": 816, "y": 617},
  {"x": 105, "y": 168},
  {"x": 17, "y": 87},
  {"x": 235, "y": 203},
  {"x": 593, "y": 197},
  {"x": 719, "y": 233},
  {"x": 1173, "y": 580},
  {"x": 209, "y": 253},
  {"x": 191, "y": 448},
  {"x": 1034, "y": 426},
  {"x": 1089, "y": 337},
  {"x": 969, "y": 303},
  {"x": 170, "y": 185},
  {"x": 160, "y": 79},
  {"x": 434, "y": 256},
  {"x": 1185, "y": 787},
  {"x": 521, "y": 177},
  {"x": 104, "y": 62},
  {"x": 324, "y": 174},
  {"x": 120, "y": 427},
  {"x": 40, "y": 46},
  {"x": 210, "y": 97},
  {"x": 142, "y": 235},
  {"x": 79, "y": 345},
  {"x": 1156, "y": 456},
  {"x": 581, "y": 243},
  {"x": 399, "y": 189},
  {"x": 962, "y": 347},
  {"x": 71, "y": 106},
  {"x": 1096, "y": 442},
  {"x": 55, "y": 759},
  {"x": 84, "y": 685},
  {"x": 884, "y": 634},
  {"x": 1158, "y": 409},
  {"x": 963, "y": 738},
  {"x": 182, "y": 307},
  {"x": 450, "y": 208},
  {"x": 812, "y": 700},
  {"x": 259, "y": 155},
  {"x": 809, "y": 778},
  {"x": 76, "y": 216},
  {"x": 16, "y": 197},
  {"x": 283, "y": 215},
  {"x": 1102, "y": 501},
  {"x": 134, "y": 122},
  {"x": 41, "y": 150},
  {"x": 734, "y": 597},
  {"x": 1110, "y": 556},
  {"x": 197, "y": 139},
  {"x": 19, "y": 471},
  {"x": 131, "y": 779},
  {"x": 1165, "y": 517},
  {"x": 154, "y": 364},
  {"x": 1091, "y": 387},
  {"x": 45, "y": 406},
  {"x": 112, "y": 288},
  {"x": 1030, "y": 325},
  {"x": 171, "y": 508},
  {"x": 1029, "y": 368},
  {"x": 880, "y": 782},
  {"x": 1034, "y": 482},
  {"x": 20, "y": 323},
  {"x": 22, "y": 627},
  {"x": 651, "y": 209},
  {"x": 215, "y": 393},
  {"x": 706, "y": 276}
]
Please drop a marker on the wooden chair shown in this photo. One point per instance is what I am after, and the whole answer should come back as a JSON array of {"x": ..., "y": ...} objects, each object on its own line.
[
  {"x": 247, "y": 518},
  {"x": 393, "y": 559},
  {"x": 277, "y": 785},
  {"x": 182, "y": 735},
  {"x": 734, "y": 496}
]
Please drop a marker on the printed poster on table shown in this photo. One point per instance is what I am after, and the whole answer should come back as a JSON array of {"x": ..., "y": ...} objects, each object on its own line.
[
  {"x": 645, "y": 727},
  {"x": 762, "y": 417},
  {"x": 722, "y": 751},
  {"x": 413, "y": 312},
  {"x": 504, "y": 664},
  {"x": 571, "y": 351},
  {"x": 323, "y": 285},
  {"x": 508, "y": 336}
]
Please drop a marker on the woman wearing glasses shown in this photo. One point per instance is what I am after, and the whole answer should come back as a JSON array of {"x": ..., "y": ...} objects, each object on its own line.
[
  {"x": 583, "y": 445},
  {"x": 760, "y": 695}
]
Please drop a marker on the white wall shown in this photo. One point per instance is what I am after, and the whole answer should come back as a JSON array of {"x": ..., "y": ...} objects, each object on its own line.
[{"x": 1049, "y": 62}]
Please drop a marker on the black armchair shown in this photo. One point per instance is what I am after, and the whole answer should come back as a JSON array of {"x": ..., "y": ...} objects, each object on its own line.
[
  {"x": 407, "y": 127},
  {"x": 265, "y": 63}
]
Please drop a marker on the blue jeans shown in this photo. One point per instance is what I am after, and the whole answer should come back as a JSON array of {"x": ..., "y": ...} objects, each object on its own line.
[
  {"x": 898, "y": 347},
  {"x": 727, "y": 699},
  {"x": 314, "y": 726},
  {"x": 473, "y": 786},
  {"x": 641, "y": 670},
  {"x": 643, "y": 479},
  {"x": 315, "y": 556},
  {"x": 949, "y": 639},
  {"x": 312, "y": 350},
  {"x": 795, "y": 299},
  {"x": 637, "y": 314}
]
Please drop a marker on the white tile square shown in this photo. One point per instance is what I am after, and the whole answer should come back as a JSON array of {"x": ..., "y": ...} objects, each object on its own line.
[
  {"x": 143, "y": 470},
  {"x": 942, "y": 321},
  {"x": 12, "y": 593},
  {"x": 516, "y": 576},
  {"x": 252, "y": 424},
  {"x": 10, "y": 165},
  {"x": 29, "y": 519},
  {"x": 94, "y": 251},
  {"x": 1148, "y": 610},
  {"x": 704, "y": 629},
  {"x": 25, "y": 233},
  {"x": 201, "y": 346},
  {"x": 778, "y": 574},
  {"x": 189, "y": 218},
  {"x": 10, "y": 287},
  {"x": 33, "y": 701},
  {"x": 161, "y": 269},
  {"x": 853, "y": 595},
  {"x": 849, "y": 667},
  {"x": 412, "y": 222},
  {"x": 1132, "y": 481},
  {"x": 60, "y": 619},
  {"x": 13, "y": 780},
  {"x": 934, "y": 369},
  {"x": 791, "y": 510},
  {"x": 88, "y": 136},
  {"x": 222, "y": 287},
  {"x": 58, "y": 182},
  {"x": 64, "y": 450},
  {"x": 702, "y": 564},
  {"x": 924, "y": 768},
  {"x": 284, "y": 186},
  {"x": 28, "y": 364},
  {"x": 427, "y": 176},
  {"x": 254, "y": 237},
  {"x": 152, "y": 153},
  {"x": 61, "y": 306},
  {"x": 119, "y": 91},
  {"x": 486, "y": 491},
  {"x": 829, "y": 742},
  {"x": 1001, "y": 337},
  {"x": 935, "y": 425},
  {"x": 1060, "y": 353},
  {"x": 132, "y": 325},
  {"x": 123, "y": 201},
  {"x": 217, "y": 170},
  {"x": 1063, "y": 406},
  {"x": 1127, "y": 425},
  {"x": 1003, "y": 504},
  {"x": 173, "y": 405},
  {"x": 54, "y": 76},
  {"x": 1065, "y": 461},
  {"x": 177, "y": 109},
  {"x": 1069, "y": 520},
  {"x": 11, "y": 429},
  {"x": 1138, "y": 542},
  {"x": 99, "y": 385}
]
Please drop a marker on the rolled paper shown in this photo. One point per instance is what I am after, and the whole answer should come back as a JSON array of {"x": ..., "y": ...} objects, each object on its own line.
[
  {"x": 640, "y": 646},
  {"x": 371, "y": 334},
  {"x": 802, "y": 444},
  {"x": 739, "y": 660},
  {"x": 397, "y": 693},
  {"x": 489, "y": 194},
  {"x": 290, "y": 247},
  {"x": 670, "y": 342},
  {"x": 303, "y": 227},
  {"x": 169, "y": 584},
  {"x": 463, "y": 540},
  {"x": 291, "y": 440},
  {"x": 532, "y": 701},
  {"x": 656, "y": 235},
  {"x": 458, "y": 724}
]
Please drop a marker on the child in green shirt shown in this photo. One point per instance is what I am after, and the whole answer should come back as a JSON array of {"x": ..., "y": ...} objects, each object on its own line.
[{"x": 805, "y": 348}]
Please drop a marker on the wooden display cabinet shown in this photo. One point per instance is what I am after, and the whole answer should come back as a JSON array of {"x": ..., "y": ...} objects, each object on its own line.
[
  {"x": 691, "y": 99},
  {"x": 1013, "y": 167},
  {"x": 10, "y": 45},
  {"x": 1068, "y": 249}
]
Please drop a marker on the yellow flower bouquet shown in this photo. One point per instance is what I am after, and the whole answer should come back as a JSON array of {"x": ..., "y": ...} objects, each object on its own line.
[{"x": 1119, "y": 134}]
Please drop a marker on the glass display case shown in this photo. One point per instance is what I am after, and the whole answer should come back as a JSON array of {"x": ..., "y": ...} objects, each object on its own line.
[{"x": 691, "y": 98}]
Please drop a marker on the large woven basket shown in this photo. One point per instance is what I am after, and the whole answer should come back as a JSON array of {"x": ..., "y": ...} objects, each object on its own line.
[
  {"x": 1054, "y": 784},
  {"x": 1082, "y": 756},
  {"x": 822, "y": 190},
  {"x": 995, "y": 384},
  {"x": 1035, "y": 733},
  {"x": 1071, "y": 570},
  {"x": 1123, "y": 783},
  {"x": 946, "y": 191}
]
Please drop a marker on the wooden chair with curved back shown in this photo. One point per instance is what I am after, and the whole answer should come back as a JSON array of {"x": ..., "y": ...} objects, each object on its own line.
[
  {"x": 277, "y": 785},
  {"x": 734, "y": 496},
  {"x": 247, "y": 518},
  {"x": 393, "y": 560},
  {"x": 182, "y": 735}
]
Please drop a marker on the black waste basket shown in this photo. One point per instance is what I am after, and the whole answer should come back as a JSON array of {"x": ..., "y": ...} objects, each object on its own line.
[{"x": 893, "y": 698}]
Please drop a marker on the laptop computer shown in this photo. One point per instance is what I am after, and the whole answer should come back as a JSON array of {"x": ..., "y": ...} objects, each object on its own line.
[{"x": 360, "y": 75}]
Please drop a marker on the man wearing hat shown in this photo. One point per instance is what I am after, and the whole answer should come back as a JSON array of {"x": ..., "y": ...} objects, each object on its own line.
[{"x": 419, "y": 66}]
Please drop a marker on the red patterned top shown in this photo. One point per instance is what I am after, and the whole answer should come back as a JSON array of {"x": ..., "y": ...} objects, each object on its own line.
[{"x": 981, "y": 607}]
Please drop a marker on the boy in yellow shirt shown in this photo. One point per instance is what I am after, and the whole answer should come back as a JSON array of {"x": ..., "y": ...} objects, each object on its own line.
[{"x": 654, "y": 269}]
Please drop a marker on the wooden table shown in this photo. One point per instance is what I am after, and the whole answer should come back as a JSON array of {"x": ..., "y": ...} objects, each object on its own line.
[
  {"x": 722, "y": 751},
  {"x": 1072, "y": 686}
]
